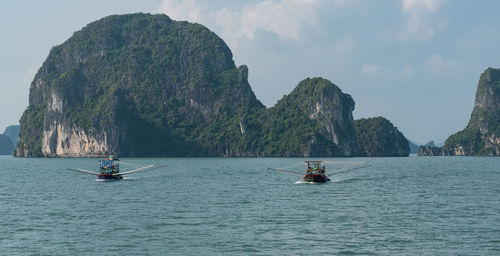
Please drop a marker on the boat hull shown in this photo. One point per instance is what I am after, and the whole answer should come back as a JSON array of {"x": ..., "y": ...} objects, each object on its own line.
[
  {"x": 315, "y": 178},
  {"x": 109, "y": 178}
]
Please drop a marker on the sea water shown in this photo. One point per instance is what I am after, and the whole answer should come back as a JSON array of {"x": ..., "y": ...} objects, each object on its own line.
[{"x": 236, "y": 206}]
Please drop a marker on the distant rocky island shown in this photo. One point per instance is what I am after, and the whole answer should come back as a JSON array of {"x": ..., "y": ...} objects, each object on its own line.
[
  {"x": 12, "y": 131},
  {"x": 413, "y": 147},
  {"x": 9, "y": 139},
  {"x": 378, "y": 137},
  {"x": 146, "y": 85},
  {"x": 481, "y": 135},
  {"x": 6, "y": 146}
]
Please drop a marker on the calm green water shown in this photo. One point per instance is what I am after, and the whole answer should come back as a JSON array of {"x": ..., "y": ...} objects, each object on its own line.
[{"x": 398, "y": 206}]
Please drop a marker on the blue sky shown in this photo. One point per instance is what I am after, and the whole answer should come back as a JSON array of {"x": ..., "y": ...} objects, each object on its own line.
[{"x": 415, "y": 62}]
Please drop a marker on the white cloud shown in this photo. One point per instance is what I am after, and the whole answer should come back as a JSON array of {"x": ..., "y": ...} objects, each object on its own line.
[
  {"x": 420, "y": 26},
  {"x": 188, "y": 10},
  {"x": 407, "y": 70},
  {"x": 431, "y": 5},
  {"x": 340, "y": 3},
  {"x": 285, "y": 18},
  {"x": 370, "y": 69},
  {"x": 343, "y": 46},
  {"x": 438, "y": 64}
]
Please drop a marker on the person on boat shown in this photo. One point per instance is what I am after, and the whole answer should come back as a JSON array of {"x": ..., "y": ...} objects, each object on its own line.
[{"x": 315, "y": 171}]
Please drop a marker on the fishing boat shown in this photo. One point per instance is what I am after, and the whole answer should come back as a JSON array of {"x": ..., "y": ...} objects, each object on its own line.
[
  {"x": 109, "y": 169},
  {"x": 316, "y": 171}
]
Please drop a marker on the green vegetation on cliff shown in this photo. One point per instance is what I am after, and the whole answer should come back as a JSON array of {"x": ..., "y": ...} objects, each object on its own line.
[{"x": 467, "y": 138}]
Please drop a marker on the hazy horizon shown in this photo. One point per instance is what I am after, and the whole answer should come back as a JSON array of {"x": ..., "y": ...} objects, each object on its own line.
[{"x": 415, "y": 62}]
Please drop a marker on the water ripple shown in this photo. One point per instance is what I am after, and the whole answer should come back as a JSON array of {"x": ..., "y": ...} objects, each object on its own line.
[{"x": 203, "y": 206}]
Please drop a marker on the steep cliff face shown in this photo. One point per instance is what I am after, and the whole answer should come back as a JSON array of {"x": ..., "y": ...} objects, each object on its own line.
[
  {"x": 145, "y": 85},
  {"x": 61, "y": 137},
  {"x": 482, "y": 134},
  {"x": 379, "y": 137}
]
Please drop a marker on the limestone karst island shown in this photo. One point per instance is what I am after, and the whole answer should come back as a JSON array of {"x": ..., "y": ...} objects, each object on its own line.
[
  {"x": 481, "y": 136},
  {"x": 146, "y": 85}
]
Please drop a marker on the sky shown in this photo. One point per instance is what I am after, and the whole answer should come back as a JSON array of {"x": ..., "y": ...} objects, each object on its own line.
[{"x": 415, "y": 62}]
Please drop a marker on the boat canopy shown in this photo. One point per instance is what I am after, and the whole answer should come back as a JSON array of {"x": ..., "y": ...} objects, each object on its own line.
[
  {"x": 109, "y": 166},
  {"x": 315, "y": 165}
]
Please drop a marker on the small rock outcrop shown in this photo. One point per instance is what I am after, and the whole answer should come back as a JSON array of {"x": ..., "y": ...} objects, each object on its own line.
[
  {"x": 379, "y": 137},
  {"x": 430, "y": 144},
  {"x": 429, "y": 151}
]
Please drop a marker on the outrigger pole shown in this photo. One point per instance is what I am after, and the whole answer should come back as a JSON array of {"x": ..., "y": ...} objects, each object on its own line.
[
  {"x": 347, "y": 169},
  {"x": 145, "y": 168},
  {"x": 83, "y": 170},
  {"x": 285, "y": 171}
]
